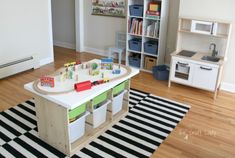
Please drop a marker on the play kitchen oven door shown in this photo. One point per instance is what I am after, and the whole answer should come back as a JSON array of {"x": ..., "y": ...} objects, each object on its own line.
[{"x": 182, "y": 72}]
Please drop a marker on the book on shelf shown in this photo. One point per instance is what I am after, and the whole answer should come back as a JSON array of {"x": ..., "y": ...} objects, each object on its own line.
[
  {"x": 152, "y": 29},
  {"x": 135, "y": 26}
]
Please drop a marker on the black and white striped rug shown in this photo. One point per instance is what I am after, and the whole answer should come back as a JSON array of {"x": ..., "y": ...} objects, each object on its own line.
[{"x": 150, "y": 120}]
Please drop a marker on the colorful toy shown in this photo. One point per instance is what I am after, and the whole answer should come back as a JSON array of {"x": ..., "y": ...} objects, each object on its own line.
[
  {"x": 107, "y": 63},
  {"x": 47, "y": 81},
  {"x": 94, "y": 69},
  {"x": 82, "y": 86},
  {"x": 116, "y": 71},
  {"x": 95, "y": 83},
  {"x": 70, "y": 64},
  {"x": 154, "y": 6}
]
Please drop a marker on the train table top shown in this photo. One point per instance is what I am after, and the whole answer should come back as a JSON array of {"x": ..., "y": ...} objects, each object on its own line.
[{"x": 63, "y": 92}]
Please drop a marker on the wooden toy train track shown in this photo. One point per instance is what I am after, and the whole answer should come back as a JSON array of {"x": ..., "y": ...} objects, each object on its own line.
[{"x": 53, "y": 91}]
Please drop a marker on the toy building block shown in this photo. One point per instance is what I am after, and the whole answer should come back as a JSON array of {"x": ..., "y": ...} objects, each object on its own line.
[
  {"x": 94, "y": 69},
  {"x": 107, "y": 63},
  {"x": 116, "y": 71},
  {"x": 82, "y": 86},
  {"x": 47, "y": 81},
  {"x": 78, "y": 62},
  {"x": 70, "y": 74}
]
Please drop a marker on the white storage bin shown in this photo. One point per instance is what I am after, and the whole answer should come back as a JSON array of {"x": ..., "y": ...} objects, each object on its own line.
[
  {"x": 77, "y": 128},
  {"x": 99, "y": 115},
  {"x": 117, "y": 103}
]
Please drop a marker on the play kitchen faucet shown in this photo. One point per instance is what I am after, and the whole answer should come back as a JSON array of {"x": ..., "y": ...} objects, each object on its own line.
[{"x": 214, "y": 51}]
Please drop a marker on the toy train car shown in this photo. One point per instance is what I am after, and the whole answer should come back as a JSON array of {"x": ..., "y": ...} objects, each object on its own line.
[
  {"x": 82, "y": 86},
  {"x": 47, "y": 81},
  {"x": 105, "y": 80},
  {"x": 72, "y": 64}
]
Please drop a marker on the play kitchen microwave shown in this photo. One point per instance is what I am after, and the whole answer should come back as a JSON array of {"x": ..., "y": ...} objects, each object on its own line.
[{"x": 204, "y": 27}]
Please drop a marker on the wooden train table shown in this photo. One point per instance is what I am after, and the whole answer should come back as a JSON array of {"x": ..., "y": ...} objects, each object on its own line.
[{"x": 54, "y": 104}]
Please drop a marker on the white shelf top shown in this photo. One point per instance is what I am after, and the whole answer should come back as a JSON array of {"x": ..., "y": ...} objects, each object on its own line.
[{"x": 73, "y": 99}]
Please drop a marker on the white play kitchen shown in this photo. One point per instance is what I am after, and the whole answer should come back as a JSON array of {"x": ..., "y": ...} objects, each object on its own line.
[{"x": 200, "y": 53}]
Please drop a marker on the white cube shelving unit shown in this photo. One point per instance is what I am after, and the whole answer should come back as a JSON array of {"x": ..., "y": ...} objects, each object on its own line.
[{"x": 161, "y": 36}]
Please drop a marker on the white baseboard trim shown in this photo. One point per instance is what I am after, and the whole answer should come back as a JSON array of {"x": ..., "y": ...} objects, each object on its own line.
[
  {"x": 64, "y": 44},
  {"x": 228, "y": 87},
  {"x": 96, "y": 51},
  {"x": 46, "y": 61}
]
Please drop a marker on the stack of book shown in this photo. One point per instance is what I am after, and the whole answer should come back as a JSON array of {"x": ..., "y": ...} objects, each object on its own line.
[
  {"x": 135, "y": 26},
  {"x": 152, "y": 29}
]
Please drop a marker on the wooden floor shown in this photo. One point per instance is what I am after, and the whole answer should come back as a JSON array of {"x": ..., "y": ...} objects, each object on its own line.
[{"x": 207, "y": 131}]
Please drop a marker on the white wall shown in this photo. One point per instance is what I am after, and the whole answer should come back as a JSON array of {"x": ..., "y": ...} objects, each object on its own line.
[
  {"x": 25, "y": 29},
  {"x": 215, "y": 9},
  {"x": 172, "y": 28},
  {"x": 63, "y": 22},
  {"x": 99, "y": 31}
]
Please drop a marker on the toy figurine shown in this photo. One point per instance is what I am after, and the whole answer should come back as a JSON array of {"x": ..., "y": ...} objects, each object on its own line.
[
  {"x": 102, "y": 75},
  {"x": 47, "y": 81},
  {"x": 70, "y": 74},
  {"x": 67, "y": 73},
  {"x": 107, "y": 63},
  {"x": 76, "y": 77},
  {"x": 62, "y": 77}
]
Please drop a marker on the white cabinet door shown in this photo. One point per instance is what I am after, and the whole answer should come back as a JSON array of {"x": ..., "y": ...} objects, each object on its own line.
[
  {"x": 181, "y": 71},
  {"x": 205, "y": 77}
]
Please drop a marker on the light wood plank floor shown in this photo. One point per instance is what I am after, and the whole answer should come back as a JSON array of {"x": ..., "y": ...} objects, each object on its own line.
[{"x": 207, "y": 131}]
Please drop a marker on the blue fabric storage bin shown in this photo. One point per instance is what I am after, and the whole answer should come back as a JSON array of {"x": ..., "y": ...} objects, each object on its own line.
[
  {"x": 161, "y": 72},
  {"x": 134, "y": 61},
  {"x": 151, "y": 47},
  {"x": 135, "y": 44},
  {"x": 136, "y": 10}
]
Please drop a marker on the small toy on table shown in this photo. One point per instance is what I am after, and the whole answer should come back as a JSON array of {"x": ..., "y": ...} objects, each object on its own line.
[
  {"x": 94, "y": 69},
  {"x": 107, "y": 63},
  {"x": 117, "y": 71},
  {"x": 82, "y": 86},
  {"x": 47, "y": 81}
]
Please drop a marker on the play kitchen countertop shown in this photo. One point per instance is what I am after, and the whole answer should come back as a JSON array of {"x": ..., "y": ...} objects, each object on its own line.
[{"x": 198, "y": 57}]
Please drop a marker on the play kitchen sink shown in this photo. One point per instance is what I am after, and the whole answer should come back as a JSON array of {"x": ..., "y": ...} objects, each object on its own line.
[{"x": 210, "y": 58}]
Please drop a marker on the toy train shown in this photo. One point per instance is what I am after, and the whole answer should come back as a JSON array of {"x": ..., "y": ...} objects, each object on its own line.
[
  {"x": 72, "y": 64},
  {"x": 47, "y": 81},
  {"x": 82, "y": 86}
]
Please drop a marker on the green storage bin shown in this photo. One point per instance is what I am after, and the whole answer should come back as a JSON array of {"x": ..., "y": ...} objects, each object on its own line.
[
  {"x": 77, "y": 111},
  {"x": 119, "y": 88},
  {"x": 100, "y": 99}
]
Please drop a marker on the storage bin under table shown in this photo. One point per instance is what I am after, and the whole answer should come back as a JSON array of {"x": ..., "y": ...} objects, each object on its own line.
[
  {"x": 118, "y": 95},
  {"x": 98, "y": 110},
  {"x": 98, "y": 116},
  {"x": 77, "y": 128},
  {"x": 117, "y": 103}
]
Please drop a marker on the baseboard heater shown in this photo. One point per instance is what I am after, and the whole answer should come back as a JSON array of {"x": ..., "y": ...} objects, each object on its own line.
[{"x": 17, "y": 66}]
